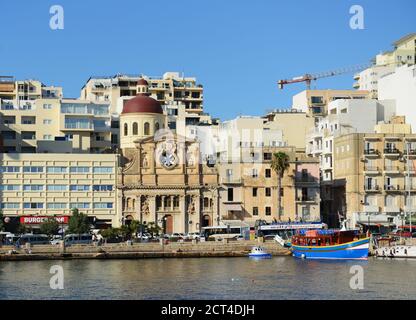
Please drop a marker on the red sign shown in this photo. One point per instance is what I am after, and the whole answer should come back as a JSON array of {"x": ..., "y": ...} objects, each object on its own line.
[{"x": 40, "y": 219}]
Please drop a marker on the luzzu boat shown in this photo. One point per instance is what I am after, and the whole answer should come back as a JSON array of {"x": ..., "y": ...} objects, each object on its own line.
[{"x": 330, "y": 244}]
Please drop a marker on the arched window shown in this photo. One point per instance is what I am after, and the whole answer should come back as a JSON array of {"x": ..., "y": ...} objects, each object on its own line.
[
  {"x": 156, "y": 126},
  {"x": 129, "y": 203},
  {"x": 135, "y": 129},
  {"x": 126, "y": 130},
  {"x": 146, "y": 129}
]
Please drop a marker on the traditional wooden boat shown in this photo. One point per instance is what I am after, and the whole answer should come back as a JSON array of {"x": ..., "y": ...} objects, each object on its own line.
[{"x": 330, "y": 244}]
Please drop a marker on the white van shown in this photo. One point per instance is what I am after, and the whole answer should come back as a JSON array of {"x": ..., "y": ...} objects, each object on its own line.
[{"x": 71, "y": 239}]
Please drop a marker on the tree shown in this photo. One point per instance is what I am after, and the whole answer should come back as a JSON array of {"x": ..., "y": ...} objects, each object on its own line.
[
  {"x": 110, "y": 233},
  {"x": 280, "y": 163},
  {"x": 153, "y": 229},
  {"x": 50, "y": 227},
  {"x": 2, "y": 226},
  {"x": 78, "y": 223}
]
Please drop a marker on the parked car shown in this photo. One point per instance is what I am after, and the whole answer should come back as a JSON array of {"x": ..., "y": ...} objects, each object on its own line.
[
  {"x": 194, "y": 236},
  {"x": 144, "y": 236},
  {"x": 72, "y": 239}
]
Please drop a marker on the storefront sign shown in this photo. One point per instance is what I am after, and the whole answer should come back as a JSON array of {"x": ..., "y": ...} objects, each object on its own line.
[{"x": 40, "y": 219}]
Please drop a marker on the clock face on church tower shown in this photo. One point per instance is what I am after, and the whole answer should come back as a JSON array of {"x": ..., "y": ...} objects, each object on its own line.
[{"x": 169, "y": 160}]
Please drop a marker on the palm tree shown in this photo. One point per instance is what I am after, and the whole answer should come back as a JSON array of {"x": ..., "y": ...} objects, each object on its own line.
[{"x": 280, "y": 163}]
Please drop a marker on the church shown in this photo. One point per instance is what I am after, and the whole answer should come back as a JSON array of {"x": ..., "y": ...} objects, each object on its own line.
[{"x": 162, "y": 178}]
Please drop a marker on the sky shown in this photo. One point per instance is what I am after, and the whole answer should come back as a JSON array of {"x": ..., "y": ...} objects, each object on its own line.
[{"x": 237, "y": 49}]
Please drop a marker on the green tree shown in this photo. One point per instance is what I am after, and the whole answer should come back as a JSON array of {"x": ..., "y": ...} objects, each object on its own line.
[
  {"x": 78, "y": 223},
  {"x": 50, "y": 227},
  {"x": 280, "y": 163},
  {"x": 153, "y": 229},
  {"x": 110, "y": 233}
]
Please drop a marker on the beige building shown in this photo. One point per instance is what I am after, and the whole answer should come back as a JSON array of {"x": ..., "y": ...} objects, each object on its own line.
[
  {"x": 315, "y": 102},
  {"x": 404, "y": 52},
  {"x": 54, "y": 125},
  {"x": 36, "y": 185},
  {"x": 377, "y": 171},
  {"x": 26, "y": 90},
  {"x": 249, "y": 187},
  {"x": 162, "y": 179}
]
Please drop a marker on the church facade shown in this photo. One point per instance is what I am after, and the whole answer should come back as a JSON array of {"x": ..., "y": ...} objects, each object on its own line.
[{"x": 161, "y": 176}]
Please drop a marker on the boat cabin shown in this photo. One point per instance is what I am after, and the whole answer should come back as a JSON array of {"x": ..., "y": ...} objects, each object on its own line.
[{"x": 321, "y": 238}]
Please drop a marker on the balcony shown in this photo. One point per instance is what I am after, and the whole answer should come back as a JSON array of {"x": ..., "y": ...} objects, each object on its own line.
[
  {"x": 371, "y": 170},
  {"x": 392, "y": 170},
  {"x": 410, "y": 152},
  {"x": 231, "y": 180},
  {"x": 393, "y": 152},
  {"x": 306, "y": 180},
  {"x": 371, "y": 152},
  {"x": 392, "y": 187},
  {"x": 305, "y": 199},
  {"x": 371, "y": 188}
]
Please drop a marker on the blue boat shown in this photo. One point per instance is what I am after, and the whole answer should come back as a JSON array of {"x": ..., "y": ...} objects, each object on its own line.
[{"x": 331, "y": 245}]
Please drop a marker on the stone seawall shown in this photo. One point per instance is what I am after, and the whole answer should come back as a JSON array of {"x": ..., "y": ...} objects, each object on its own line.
[{"x": 137, "y": 251}]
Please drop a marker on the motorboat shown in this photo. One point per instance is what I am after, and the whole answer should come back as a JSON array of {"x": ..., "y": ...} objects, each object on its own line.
[{"x": 259, "y": 252}]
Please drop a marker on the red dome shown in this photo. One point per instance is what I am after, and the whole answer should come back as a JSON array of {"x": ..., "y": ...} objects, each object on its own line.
[
  {"x": 142, "y": 82},
  {"x": 142, "y": 104}
]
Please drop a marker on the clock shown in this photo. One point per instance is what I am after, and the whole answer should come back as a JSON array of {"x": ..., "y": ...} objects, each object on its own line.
[{"x": 169, "y": 160}]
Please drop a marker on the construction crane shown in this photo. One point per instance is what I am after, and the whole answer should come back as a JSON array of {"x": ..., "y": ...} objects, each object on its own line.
[{"x": 308, "y": 78}]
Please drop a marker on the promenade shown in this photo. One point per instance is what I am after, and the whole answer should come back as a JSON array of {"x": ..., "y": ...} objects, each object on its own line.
[{"x": 138, "y": 250}]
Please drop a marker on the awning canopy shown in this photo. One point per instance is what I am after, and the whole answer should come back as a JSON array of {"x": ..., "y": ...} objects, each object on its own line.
[
  {"x": 378, "y": 224},
  {"x": 233, "y": 207}
]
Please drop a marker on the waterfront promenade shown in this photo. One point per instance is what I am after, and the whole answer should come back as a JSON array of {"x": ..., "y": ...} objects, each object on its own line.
[{"x": 138, "y": 250}]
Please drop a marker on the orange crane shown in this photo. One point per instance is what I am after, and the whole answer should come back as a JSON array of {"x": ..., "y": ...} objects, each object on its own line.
[{"x": 308, "y": 78}]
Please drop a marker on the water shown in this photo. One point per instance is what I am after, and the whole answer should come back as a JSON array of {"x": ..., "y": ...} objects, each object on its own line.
[{"x": 210, "y": 278}]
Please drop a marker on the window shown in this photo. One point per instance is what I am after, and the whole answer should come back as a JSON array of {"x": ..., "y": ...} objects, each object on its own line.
[
  {"x": 254, "y": 173},
  {"x": 268, "y": 211},
  {"x": 79, "y": 205},
  {"x": 32, "y": 205},
  {"x": 157, "y": 126},
  {"x": 103, "y": 170},
  {"x": 47, "y": 137},
  {"x": 146, "y": 129},
  {"x": 47, "y": 121},
  {"x": 268, "y": 192},
  {"x": 230, "y": 194},
  {"x": 9, "y": 187},
  {"x": 79, "y": 187},
  {"x": 317, "y": 99},
  {"x": 282, "y": 192},
  {"x": 267, "y": 156},
  {"x": 255, "y": 211},
  {"x": 268, "y": 173},
  {"x": 57, "y": 187},
  {"x": 126, "y": 129},
  {"x": 255, "y": 192},
  {"x": 47, "y": 106},
  {"x": 28, "y": 135},
  {"x": 79, "y": 169},
  {"x": 28, "y": 169},
  {"x": 10, "y": 205},
  {"x": 56, "y": 169},
  {"x": 135, "y": 129},
  {"x": 32, "y": 187},
  {"x": 57, "y": 205},
  {"x": 9, "y": 169},
  {"x": 69, "y": 137},
  {"x": 103, "y": 205},
  {"x": 98, "y": 187}
]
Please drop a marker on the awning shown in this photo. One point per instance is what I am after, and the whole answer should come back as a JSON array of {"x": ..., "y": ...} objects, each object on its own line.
[
  {"x": 378, "y": 224},
  {"x": 233, "y": 207}
]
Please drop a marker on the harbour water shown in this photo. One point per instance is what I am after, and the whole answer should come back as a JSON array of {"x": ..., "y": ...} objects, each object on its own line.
[{"x": 209, "y": 278}]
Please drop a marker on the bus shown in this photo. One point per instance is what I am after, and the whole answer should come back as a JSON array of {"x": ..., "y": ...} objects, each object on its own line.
[
  {"x": 33, "y": 239},
  {"x": 226, "y": 232}
]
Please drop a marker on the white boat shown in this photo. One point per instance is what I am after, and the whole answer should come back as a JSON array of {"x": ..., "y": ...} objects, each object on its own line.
[
  {"x": 259, "y": 252},
  {"x": 397, "y": 251}
]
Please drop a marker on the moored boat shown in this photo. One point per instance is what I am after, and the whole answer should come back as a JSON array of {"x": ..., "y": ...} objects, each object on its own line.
[
  {"x": 259, "y": 252},
  {"x": 396, "y": 251},
  {"x": 331, "y": 244}
]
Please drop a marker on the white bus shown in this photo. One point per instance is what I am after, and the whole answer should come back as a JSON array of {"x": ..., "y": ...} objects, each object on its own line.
[{"x": 226, "y": 232}]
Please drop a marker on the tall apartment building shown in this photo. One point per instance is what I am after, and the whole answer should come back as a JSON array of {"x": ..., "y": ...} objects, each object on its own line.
[
  {"x": 26, "y": 90},
  {"x": 377, "y": 171},
  {"x": 404, "y": 52},
  {"x": 368, "y": 79},
  {"x": 315, "y": 102},
  {"x": 54, "y": 125},
  {"x": 38, "y": 185}
]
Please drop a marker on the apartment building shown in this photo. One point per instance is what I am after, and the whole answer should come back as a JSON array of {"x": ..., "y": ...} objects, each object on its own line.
[
  {"x": 377, "y": 172},
  {"x": 54, "y": 125},
  {"x": 368, "y": 79},
  {"x": 170, "y": 87},
  {"x": 39, "y": 185},
  {"x": 249, "y": 187},
  {"x": 26, "y": 90},
  {"x": 315, "y": 102},
  {"x": 404, "y": 52}
]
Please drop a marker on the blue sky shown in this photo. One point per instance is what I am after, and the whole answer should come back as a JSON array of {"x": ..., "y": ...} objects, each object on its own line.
[{"x": 238, "y": 49}]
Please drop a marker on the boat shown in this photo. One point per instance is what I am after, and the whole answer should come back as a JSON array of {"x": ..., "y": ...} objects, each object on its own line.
[
  {"x": 259, "y": 252},
  {"x": 396, "y": 251},
  {"x": 331, "y": 245}
]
